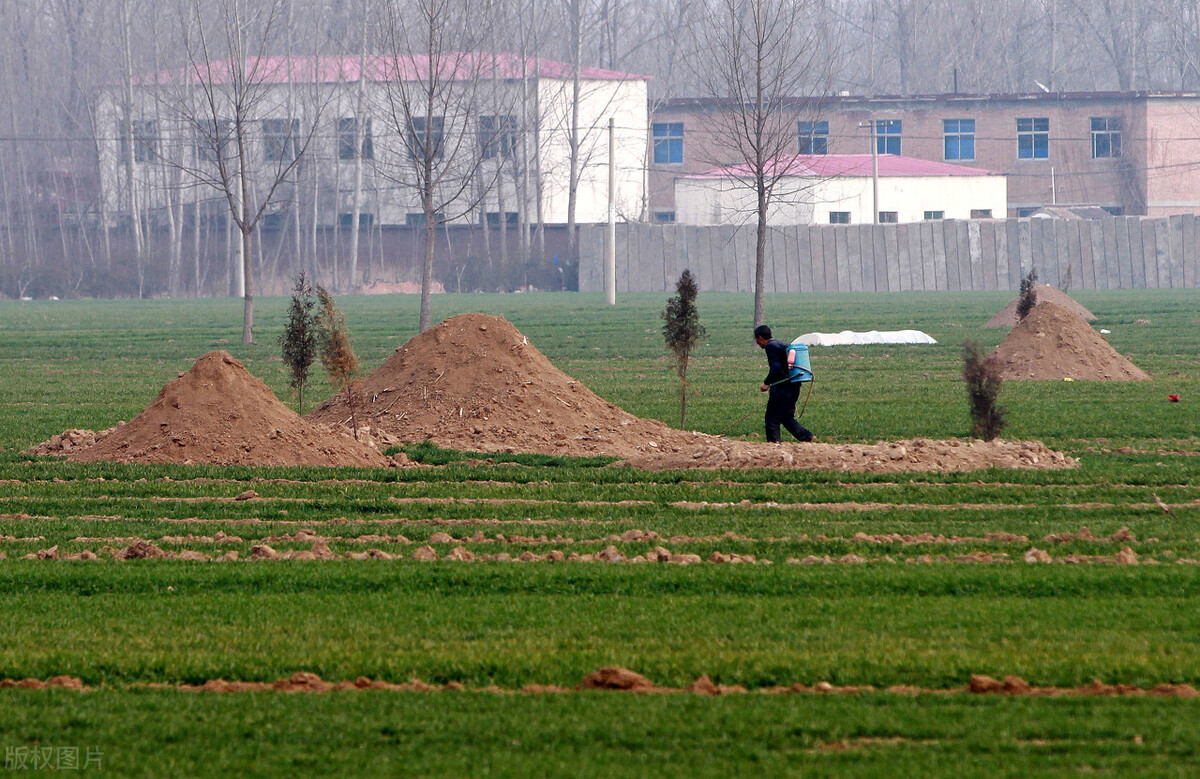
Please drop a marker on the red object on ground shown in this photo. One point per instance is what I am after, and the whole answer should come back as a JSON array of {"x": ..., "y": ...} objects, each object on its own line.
[{"x": 1173, "y": 398}]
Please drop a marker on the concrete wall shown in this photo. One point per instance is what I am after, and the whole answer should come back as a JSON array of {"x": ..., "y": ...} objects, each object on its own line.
[{"x": 1116, "y": 253}]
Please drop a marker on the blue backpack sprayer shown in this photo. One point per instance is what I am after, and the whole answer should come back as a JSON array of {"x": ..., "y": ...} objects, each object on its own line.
[{"x": 799, "y": 372}]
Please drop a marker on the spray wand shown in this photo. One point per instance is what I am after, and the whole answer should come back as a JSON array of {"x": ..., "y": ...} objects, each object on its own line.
[{"x": 742, "y": 418}]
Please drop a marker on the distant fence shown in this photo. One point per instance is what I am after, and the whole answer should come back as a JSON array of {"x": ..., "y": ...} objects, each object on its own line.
[{"x": 1116, "y": 253}]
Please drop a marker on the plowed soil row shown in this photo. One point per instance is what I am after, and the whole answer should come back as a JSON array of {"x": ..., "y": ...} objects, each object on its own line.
[
  {"x": 337, "y": 522},
  {"x": 841, "y": 506},
  {"x": 145, "y": 550},
  {"x": 305, "y": 535},
  {"x": 623, "y": 680}
]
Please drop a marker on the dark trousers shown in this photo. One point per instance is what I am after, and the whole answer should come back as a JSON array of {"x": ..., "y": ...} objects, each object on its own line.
[{"x": 781, "y": 410}]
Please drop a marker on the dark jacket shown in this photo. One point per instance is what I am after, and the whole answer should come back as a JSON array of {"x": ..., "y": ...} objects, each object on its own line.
[{"x": 776, "y": 361}]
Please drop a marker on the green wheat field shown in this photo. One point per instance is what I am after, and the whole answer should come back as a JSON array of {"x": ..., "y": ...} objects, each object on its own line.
[{"x": 123, "y": 627}]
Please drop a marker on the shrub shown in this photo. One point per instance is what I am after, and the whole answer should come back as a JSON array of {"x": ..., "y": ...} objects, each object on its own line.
[
  {"x": 682, "y": 331},
  {"x": 299, "y": 341},
  {"x": 338, "y": 357},
  {"x": 983, "y": 387},
  {"x": 1027, "y": 300}
]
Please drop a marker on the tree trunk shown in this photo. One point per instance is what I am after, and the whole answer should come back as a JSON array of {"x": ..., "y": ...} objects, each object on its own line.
[
  {"x": 683, "y": 366},
  {"x": 573, "y": 141},
  {"x": 427, "y": 271},
  {"x": 760, "y": 255},
  {"x": 248, "y": 279},
  {"x": 356, "y": 210}
]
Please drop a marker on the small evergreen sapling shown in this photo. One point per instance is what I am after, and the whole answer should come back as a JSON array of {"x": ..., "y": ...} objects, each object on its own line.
[
  {"x": 336, "y": 353},
  {"x": 1028, "y": 299},
  {"x": 298, "y": 342},
  {"x": 682, "y": 331},
  {"x": 983, "y": 387}
]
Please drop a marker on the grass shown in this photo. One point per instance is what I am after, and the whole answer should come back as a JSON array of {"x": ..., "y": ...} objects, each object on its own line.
[
  {"x": 90, "y": 363},
  {"x": 123, "y": 352},
  {"x": 514, "y": 625},
  {"x": 149, "y": 733}
]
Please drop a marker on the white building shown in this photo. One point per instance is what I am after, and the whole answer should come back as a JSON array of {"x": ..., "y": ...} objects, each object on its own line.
[
  {"x": 839, "y": 189},
  {"x": 507, "y": 111}
]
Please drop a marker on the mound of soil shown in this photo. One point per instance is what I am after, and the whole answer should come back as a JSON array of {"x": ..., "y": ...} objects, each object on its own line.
[
  {"x": 218, "y": 414},
  {"x": 884, "y": 457},
  {"x": 615, "y": 678},
  {"x": 62, "y": 444},
  {"x": 1042, "y": 293},
  {"x": 1053, "y": 342},
  {"x": 474, "y": 382}
]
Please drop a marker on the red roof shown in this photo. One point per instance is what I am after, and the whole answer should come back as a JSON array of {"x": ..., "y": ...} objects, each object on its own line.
[
  {"x": 335, "y": 69},
  {"x": 846, "y": 165}
]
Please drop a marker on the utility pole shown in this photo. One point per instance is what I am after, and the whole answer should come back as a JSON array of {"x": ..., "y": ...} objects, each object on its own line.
[
  {"x": 610, "y": 259},
  {"x": 870, "y": 124}
]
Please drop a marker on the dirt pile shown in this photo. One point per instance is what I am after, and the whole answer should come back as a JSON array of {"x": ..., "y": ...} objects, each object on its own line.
[
  {"x": 614, "y": 678},
  {"x": 218, "y": 414},
  {"x": 1043, "y": 293},
  {"x": 1053, "y": 342},
  {"x": 883, "y": 457},
  {"x": 75, "y": 439},
  {"x": 474, "y": 382}
]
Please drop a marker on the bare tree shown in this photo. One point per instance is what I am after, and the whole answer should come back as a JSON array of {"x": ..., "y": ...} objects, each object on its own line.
[
  {"x": 248, "y": 137},
  {"x": 435, "y": 84},
  {"x": 1120, "y": 27},
  {"x": 767, "y": 59},
  {"x": 360, "y": 149},
  {"x": 575, "y": 24}
]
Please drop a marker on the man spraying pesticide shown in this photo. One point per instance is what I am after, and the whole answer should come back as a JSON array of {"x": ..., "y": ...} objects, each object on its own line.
[{"x": 789, "y": 368}]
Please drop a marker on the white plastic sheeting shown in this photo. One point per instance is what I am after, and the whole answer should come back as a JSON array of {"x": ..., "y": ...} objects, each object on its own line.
[{"x": 849, "y": 338}]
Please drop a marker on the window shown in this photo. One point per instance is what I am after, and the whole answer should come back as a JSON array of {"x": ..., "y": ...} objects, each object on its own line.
[
  {"x": 887, "y": 136},
  {"x": 364, "y": 219},
  {"x": 1024, "y": 212},
  {"x": 417, "y": 219},
  {"x": 279, "y": 139},
  {"x": 145, "y": 140},
  {"x": 814, "y": 137},
  {"x": 347, "y": 128},
  {"x": 1114, "y": 210},
  {"x": 213, "y": 140},
  {"x": 664, "y": 217},
  {"x": 274, "y": 221},
  {"x": 510, "y": 218},
  {"x": 423, "y": 140},
  {"x": 935, "y": 214},
  {"x": 1106, "y": 137},
  {"x": 1033, "y": 139},
  {"x": 888, "y": 217},
  {"x": 668, "y": 143},
  {"x": 981, "y": 213},
  {"x": 959, "y": 135},
  {"x": 497, "y": 136},
  {"x": 839, "y": 217}
]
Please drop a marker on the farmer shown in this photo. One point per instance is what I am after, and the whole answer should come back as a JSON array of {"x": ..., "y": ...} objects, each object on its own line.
[{"x": 781, "y": 402}]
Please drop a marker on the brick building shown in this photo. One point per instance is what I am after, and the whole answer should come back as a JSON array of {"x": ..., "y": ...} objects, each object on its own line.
[{"x": 1131, "y": 153}]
